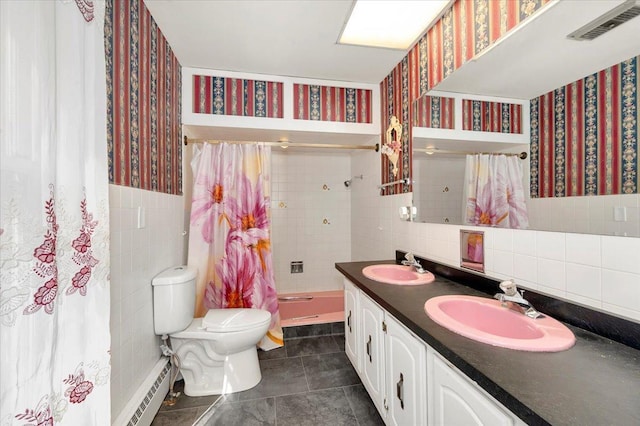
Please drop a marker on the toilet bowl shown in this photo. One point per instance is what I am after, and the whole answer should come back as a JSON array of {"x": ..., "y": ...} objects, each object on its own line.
[{"x": 217, "y": 353}]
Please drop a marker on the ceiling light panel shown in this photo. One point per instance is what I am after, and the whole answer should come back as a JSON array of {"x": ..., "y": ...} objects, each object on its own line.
[{"x": 389, "y": 24}]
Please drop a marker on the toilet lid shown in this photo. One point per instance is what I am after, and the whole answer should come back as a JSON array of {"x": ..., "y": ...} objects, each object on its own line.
[{"x": 225, "y": 320}]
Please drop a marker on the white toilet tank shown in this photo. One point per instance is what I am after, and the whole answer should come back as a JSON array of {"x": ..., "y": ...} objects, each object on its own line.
[{"x": 174, "y": 299}]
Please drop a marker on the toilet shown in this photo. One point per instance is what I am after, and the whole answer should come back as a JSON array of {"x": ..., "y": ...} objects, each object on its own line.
[{"x": 217, "y": 353}]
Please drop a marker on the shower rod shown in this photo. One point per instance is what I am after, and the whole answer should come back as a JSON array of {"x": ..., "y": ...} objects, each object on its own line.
[
  {"x": 285, "y": 144},
  {"x": 523, "y": 155}
]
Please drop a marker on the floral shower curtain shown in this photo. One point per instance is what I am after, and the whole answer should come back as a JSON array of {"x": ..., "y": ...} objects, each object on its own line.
[
  {"x": 54, "y": 218},
  {"x": 493, "y": 192},
  {"x": 229, "y": 238}
]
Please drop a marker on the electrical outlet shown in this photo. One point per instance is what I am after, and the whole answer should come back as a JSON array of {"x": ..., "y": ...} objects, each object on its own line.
[{"x": 620, "y": 214}]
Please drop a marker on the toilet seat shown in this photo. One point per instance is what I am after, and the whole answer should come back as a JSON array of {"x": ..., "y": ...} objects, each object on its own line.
[
  {"x": 235, "y": 319},
  {"x": 222, "y": 321}
]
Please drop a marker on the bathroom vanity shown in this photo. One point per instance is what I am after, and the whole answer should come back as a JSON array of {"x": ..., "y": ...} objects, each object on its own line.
[{"x": 418, "y": 372}]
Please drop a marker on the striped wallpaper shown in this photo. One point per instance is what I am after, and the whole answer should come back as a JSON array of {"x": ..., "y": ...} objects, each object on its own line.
[
  {"x": 326, "y": 103},
  {"x": 584, "y": 136},
  {"x": 397, "y": 92},
  {"x": 466, "y": 29},
  {"x": 486, "y": 116},
  {"x": 433, "y": 111},
  {"x": 235, "y": 96},
  {"x": 143, "y": 101}
]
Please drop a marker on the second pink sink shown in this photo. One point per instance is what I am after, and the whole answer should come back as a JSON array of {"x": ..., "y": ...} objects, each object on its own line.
[
  {"x": 397, "y": 274},
  {"x": 486, "y": 320}
]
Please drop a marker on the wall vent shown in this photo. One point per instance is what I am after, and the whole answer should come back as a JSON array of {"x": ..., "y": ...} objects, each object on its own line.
[{"x": 610, "y": 20}]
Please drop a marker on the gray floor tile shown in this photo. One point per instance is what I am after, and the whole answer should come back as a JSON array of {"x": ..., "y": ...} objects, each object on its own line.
[
  {"x": 184, "y": 417},
  {"x": 257, "y": 412},
  {"x": 311, "y": 346},
  {"x": 307, "y": 331},
  {"x": 339, "y": 339},
  {"x": 329, "y": 371},
  {"x": 337, "y": 327},
  {"x": 319, "y": 408},
  {"x": 362, "y": 406},
  {"x": 273, "y": 353},
  {"x": 279, "y": 377},
  {"x": 184, "y": 401}
]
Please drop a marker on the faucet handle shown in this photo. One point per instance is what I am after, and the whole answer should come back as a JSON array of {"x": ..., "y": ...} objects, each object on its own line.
[
  {"x": 509, "y": 287},
  {"x": 409, "y": 257}
]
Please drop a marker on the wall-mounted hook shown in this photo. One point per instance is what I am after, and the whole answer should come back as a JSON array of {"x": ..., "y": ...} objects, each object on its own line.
[
  {"x": 446, "y": 189},
  {"x": 282, "y": 205},
  {"x": 326, "y": 222},
  {"x": 325, "y": 187}
]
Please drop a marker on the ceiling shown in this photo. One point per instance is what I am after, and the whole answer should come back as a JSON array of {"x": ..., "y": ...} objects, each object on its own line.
[
  {"x": 297, "y": 38},
  {"x": 294, "y": 38}
]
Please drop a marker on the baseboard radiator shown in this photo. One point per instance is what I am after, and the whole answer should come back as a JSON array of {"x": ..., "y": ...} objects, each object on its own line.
[{"x": 145, "y": 403}]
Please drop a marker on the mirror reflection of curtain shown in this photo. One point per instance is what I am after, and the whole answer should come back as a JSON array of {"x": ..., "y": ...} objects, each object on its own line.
[
  {"x": 54, "y": 220},
  {"x": 493, "y": 192},
  {"x": 229, "y": 238}
]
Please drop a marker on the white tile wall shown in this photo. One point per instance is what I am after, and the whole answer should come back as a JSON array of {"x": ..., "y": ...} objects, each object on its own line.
[
  {"x": 438, "y": 195},
  {"x": 308, "y": 188},
  {"x": 375, "y": 225},
  {"x": 137, "y": 255},
  {"x": 590, "y": 215}
]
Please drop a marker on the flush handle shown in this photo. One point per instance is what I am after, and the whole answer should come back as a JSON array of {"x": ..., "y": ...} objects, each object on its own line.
[{"x": 400, "y": 390}]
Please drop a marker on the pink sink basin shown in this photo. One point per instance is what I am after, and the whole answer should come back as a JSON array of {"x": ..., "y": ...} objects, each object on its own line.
[
  {"x": 397, "y": 274},
  {"x": 487, "y": 321}
]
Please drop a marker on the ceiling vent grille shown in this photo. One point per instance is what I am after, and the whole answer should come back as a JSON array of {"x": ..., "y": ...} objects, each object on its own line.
[{"x": 605, "y": 23}]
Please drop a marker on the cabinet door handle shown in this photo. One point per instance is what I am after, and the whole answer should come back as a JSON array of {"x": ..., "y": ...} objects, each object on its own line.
[
  {"x": 400, "y": 390},
  {"x": 349, "y": 321},
  {"x": 369, "y": 348}
]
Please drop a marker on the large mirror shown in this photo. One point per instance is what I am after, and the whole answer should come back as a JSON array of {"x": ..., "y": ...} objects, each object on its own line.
[{"x": 531, "y": 62}]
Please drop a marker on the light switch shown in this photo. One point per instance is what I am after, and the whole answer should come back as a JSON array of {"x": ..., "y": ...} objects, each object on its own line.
[{"x": 142, "y": 220}]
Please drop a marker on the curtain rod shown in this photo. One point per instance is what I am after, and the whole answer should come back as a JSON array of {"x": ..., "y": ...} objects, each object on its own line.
[
  {"x": 405, "y": 181},
  {"x": 523, "y": 155},
  {"x": 375, "y": 147}
]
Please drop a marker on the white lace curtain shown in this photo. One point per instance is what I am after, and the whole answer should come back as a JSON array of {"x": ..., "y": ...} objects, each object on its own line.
[{"x": 54, "y": 219}]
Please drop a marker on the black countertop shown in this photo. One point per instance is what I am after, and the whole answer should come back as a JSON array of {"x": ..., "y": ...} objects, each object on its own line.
[{"x": 596, "y": 382}]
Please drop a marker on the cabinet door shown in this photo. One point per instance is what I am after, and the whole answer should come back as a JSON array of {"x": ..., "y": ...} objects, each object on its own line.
[
  {"x": 351, "y": 325},
  {"x": 372, "y": 353},
  {"x": 456, "y": 401},
  {"x": 406, "y": 377}
]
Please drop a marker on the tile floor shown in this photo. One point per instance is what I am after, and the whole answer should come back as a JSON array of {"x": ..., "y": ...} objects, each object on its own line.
[{"x": 308, "y": 382}]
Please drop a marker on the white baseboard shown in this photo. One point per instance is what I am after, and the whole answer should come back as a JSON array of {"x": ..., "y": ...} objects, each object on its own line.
[{"x": 145, "y": 402}]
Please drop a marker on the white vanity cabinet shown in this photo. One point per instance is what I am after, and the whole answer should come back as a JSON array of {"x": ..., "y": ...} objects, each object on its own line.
[
  {"x": 371, "y": 317},
  {"x": 407, "y": 380},
  {"x": 351, "y": 324},
  {"x": 455, "y": 400},
  {"x": 390, "y": 361}
]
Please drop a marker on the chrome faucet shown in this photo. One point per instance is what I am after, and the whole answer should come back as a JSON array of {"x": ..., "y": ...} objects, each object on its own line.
[
  {"x": 511, "y": 294},
  {"x": 411, "y": 261}
]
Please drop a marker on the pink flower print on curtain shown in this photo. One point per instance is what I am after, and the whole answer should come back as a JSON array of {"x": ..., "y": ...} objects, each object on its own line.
[
  {"x": 494, "y": 193},
  {"x": 229, "y": 238}
]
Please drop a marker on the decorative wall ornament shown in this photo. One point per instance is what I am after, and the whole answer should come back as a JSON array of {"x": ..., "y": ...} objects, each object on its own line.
[{"x": 393, "y": 145}]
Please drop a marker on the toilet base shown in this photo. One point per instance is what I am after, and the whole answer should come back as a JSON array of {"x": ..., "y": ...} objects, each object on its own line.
[{"x": 229, "y": 374}]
